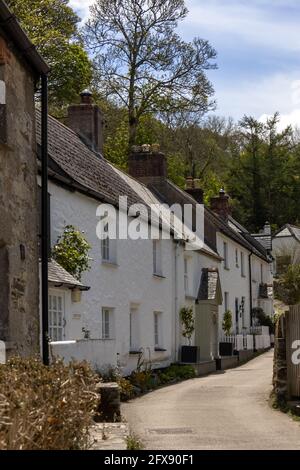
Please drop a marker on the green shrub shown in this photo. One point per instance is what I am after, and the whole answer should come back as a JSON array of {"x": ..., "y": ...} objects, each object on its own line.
[
  {"x": 176, "y": 372},
  {"x": 46, "y": 408}
]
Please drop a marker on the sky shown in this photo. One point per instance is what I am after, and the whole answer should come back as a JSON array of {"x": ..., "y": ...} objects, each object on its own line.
[{"x": 258, "y": 46}]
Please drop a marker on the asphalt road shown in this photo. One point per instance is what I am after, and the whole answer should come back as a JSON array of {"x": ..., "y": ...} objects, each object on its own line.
[{"x": 226, "y": 410}]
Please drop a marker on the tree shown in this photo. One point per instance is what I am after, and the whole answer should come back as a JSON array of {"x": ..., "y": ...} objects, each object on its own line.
[
  {"x": 52, "y": 27},
  {"x": 227, "y": 322},
  {"x": 142, "y": 64},
  {"x": 71, "y": 252},
  {"x": 188, "y": 322}
]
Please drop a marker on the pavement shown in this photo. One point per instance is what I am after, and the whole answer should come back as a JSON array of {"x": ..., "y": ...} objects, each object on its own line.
[
  {"x": 109, "y": 436},
  {"x": 224, "y": 411}
]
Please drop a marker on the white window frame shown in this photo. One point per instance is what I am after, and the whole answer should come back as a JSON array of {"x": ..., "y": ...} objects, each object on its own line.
[
  {"x": 134, "y": 339},
  {"x": 107, "y": 324},
  {"x": 243, "y": 264},
  {"x": 225, "y": 255},
  {"x": 186, "y": 276},
  {"x": 56, "y": 313},
  {"x": 156, "y": 253},
  {"x": 108, "y": 248},
  {"x": 158, "y": 332},
  {"x": 261, "y": 273},
  {"x": 237, "y": 258},
  {"x": 226, "y": 301}
]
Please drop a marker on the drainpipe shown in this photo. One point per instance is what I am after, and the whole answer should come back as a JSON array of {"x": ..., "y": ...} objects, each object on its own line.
[
  {"x": 176, "y": 299},
  {"x": 45, "y": 219},
  {"x": 250, "y": 287}
]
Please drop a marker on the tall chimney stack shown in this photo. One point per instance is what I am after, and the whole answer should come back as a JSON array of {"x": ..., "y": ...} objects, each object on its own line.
[
  {"x": 196, "y": 193},
  {"x": 147, "y": 164},
  {"x": 220, "y": 205},
  {"x": 86, "y": 120}
]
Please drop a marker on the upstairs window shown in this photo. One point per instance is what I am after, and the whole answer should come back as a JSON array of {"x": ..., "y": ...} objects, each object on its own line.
[
  {"x": 157, "y": 266},
  {"x": 186, "y": 276},
  {"x": 108, "y": 248},
  {"x": 236, "y": 258},
  {"x": 225, "y": 255},
  {"x": 243, "y": 264}
]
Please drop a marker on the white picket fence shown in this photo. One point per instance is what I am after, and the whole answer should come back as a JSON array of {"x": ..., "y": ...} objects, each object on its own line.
[{"x": 248, "y": 342}]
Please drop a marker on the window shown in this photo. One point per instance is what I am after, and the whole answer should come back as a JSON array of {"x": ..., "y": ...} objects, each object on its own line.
[
  {"x": 225, "y": 255},
  {"x": 108, "y": 248},
  {"x": 107, "y": 323},
  {"x": 56, "y": 317},
  {"x": 134, "y": 329},
  {"x": 157, "y": 257},
  {"x": 261, "y": 274},
  {"x": 237, "y": 309},
  {"x": 236, "y": 258},
  {"x": 226, "y": 301},
  {"x": 242, "y": 307},
  {"x": 186, "y": 276},
  {"x": 243, "y": 264},
  {"x": 105, "y": 246},
  {"x": 157, "y": 330}
]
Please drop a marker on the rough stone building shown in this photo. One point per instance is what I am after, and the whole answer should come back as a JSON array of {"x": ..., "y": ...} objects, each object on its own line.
[{"x": 20, "y": 69}]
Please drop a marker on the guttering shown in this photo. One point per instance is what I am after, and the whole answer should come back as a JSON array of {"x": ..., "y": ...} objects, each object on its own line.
[
  {"x": 12, "y": 28},
  {"x": 45, "y": 220}
]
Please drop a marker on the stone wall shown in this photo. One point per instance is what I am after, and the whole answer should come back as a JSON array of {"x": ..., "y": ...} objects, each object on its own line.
[
  {"x": 280, "y": 363},
  {"x": 19, "y": 319}
]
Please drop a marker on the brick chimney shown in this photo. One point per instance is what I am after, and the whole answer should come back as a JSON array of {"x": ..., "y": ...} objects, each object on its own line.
[
  {"x": 86, "y": 120},
  {"x": 147, "y": 164},
  {"x": 196, "y": 193},
  {"x": 220, "y": 205}
]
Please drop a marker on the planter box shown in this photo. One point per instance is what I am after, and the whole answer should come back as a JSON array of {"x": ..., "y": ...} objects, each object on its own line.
[
  {"x": 189, "y": 354},
  {"x": 225, "y": 349}
]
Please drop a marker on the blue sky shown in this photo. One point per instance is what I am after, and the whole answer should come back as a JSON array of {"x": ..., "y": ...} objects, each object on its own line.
[{"x": 258, "y": 45}]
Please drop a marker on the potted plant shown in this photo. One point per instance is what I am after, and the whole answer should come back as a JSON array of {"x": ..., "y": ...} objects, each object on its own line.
[
  {"x": 189, "y": 354},
  {"x": 226, "y": 348}
]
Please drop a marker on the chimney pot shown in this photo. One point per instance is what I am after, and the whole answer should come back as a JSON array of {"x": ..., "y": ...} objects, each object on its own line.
[
  {"x": 220, "y": 205},
  {"x": 196, "y": 193},
  {"x": 86, "y": 120},
  {"x": 147, "y": 164}
]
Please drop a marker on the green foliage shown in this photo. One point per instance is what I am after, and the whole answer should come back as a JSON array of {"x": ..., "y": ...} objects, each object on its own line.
[
  {"x": 46, "y": 408},
  {"x": 71, "y": 252},
  {"x": 133, "y": 443},
  {"x": 143, "y": 64},
  {"x": 263, "y": 319},
  {"x": 227, "y": 323},
  {"x": 288, "y": 289},
  {"x": 188, "y": 322},
  {"x": 176, "y": 372},
  {"x": 52, "y": 27}
]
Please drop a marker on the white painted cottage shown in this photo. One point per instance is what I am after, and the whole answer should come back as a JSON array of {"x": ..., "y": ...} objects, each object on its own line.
[
  {"x": 137, "y": 287},
  {"x": 286, "y": 247}
]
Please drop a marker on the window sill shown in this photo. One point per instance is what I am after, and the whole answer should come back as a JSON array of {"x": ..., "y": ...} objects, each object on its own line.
[
  {"x": 159, "y": 276},
  {"x": 243, "y": 276},
  {"x": 113, "y": 264},
  {"x": 160, "y": 350},
  {"x": 226, "y": 268},
  {"x": 134, "y": 352},
  {"x": 108, "y": 339}
]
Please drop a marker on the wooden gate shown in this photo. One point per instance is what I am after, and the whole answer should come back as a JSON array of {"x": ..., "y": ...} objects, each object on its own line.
[{"x": 292, "y": 337}]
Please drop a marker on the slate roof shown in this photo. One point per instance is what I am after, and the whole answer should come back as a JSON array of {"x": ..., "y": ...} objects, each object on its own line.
[
  {"x": 91, "y": 173},
  {"x": 293, "y": 229},
  {"x": 209, "y": 284},
  {"x": 58, "y": 276},
  {"x": 170, "y": 193}
]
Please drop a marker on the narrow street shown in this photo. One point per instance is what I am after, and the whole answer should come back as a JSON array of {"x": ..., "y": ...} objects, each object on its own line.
[{"x": 226, "y": 410}]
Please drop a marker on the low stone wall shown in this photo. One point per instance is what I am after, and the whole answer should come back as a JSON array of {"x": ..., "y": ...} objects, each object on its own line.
[
  {"x": 205, "y": 367},
  {"x": 280, "y": 363},
  {"x": 245, "y": 356},
  {"x": 110, "y": 404},
  {"x": 227, "y": 362}
]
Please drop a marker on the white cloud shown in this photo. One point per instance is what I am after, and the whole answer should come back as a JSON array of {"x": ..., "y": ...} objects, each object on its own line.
[
  {"x": 278, "y": 92},
  {"x": 263, "y": 23},
  {"x": 81, "y": 7}
]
